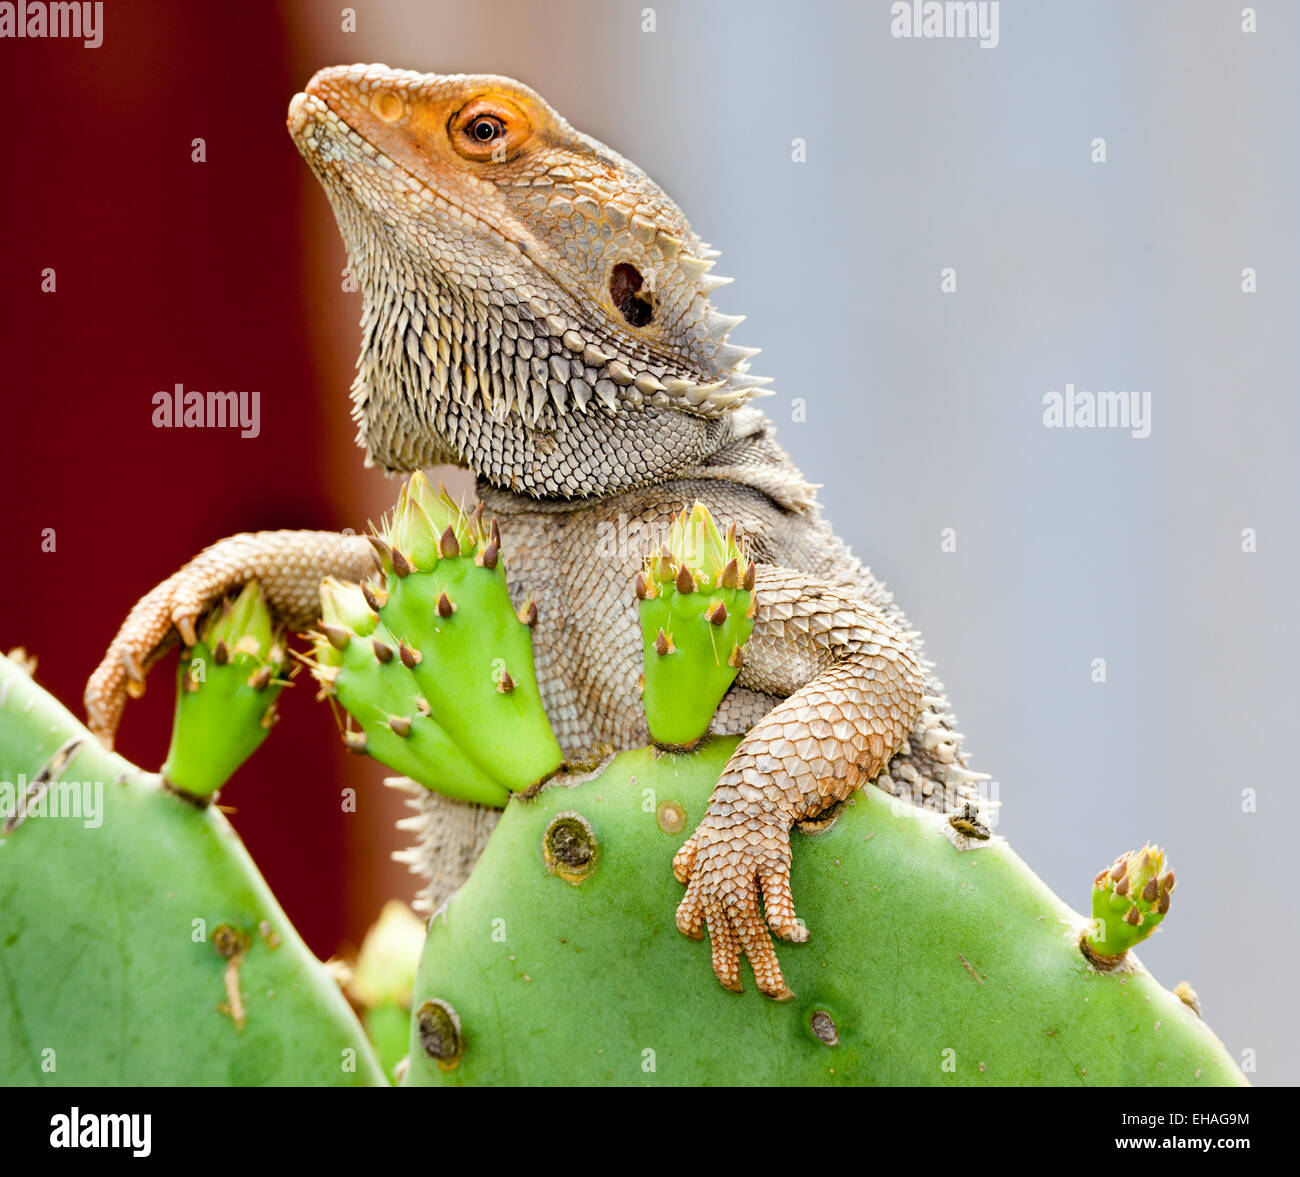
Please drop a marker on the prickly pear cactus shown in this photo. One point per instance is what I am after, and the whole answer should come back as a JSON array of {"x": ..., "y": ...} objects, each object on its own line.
[
  {"x": 697, "y": 608},
  {"x": 139, "y": 944},
  {"x": 937, "y": 957},
  {"x": 381, "y": 982},
  {"x": 371, "y": 673},
  {"x": 435, "y": 665},
  {"x": 559, "y": 962}
]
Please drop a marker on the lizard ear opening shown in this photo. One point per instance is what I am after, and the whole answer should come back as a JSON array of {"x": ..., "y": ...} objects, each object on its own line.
[{"x": 627, "y": 289}]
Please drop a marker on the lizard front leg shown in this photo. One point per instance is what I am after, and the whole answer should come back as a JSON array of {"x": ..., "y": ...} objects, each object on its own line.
[
  {"x": 289, "y": 566},
  {"x": 854, "y": 690}
]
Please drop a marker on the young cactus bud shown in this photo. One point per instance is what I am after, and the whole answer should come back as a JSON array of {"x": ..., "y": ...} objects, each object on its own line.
[
  {"x": 696, "y": 603},
  {"x": 470, "y": 653},
  {"x": 226, "y": 689},
  {"x": 384, "y": 977},
  {"x": 354, "y": 663},
  {"x": 1129, "y": 899}
]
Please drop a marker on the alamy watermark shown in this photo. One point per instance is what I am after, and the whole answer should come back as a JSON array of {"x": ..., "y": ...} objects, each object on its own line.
[
  {"x": 82, "y": 22},
  {"x": 1077, "y": 408},
  {"x": 946, "y": 18},
  {"x": 126, "y": 1130},
  {"x": 179, "y": 409},
  {"x": 81, "y": 800},
  {"x": 625, "y": 538}
]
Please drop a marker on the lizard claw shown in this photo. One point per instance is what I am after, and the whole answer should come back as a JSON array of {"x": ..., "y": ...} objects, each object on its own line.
[
  {"x": 134, "y": 675},
  {"x": 166, "y": 614},
  {"x": 185, "y": 627},
  {"x": 727, "y": 866}
]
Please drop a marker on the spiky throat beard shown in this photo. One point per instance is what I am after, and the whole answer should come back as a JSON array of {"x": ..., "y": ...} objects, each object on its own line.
[{"x": 444, "y": 376}]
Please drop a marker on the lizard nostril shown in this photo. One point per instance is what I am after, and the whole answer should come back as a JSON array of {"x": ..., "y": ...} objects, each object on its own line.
[
  {"x": 388, "y": 106},
  {"x": 635, "y": 304}
]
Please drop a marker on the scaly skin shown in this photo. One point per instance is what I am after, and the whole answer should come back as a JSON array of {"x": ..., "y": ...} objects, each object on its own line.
[{"x": 537, "y": 309}]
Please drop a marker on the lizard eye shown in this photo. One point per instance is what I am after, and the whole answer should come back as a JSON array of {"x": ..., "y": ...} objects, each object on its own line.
[
  {"x": 485, "y": 128},
  {"x": 489, "y": 131}
]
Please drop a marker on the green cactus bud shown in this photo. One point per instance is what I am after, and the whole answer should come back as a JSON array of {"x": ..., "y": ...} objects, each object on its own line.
[
  {"x": 381, "y": 694},
  {"x": 384, "y": 976},
  {"x": 697, "y": 607},
  {"x": 1129, "y": 899},
  {"x": 226, "y": 690},
  {"x": 347, "y": 607}
]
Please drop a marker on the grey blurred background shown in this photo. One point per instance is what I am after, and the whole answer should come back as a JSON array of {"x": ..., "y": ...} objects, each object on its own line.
[{"x": 924, "y": 409}]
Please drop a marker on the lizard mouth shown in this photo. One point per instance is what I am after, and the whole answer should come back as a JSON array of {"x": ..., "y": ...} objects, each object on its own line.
[{"x": 297, "y": 113}]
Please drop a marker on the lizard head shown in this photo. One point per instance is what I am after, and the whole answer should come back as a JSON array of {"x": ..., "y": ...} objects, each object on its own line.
[{"x": 511, "y": 266}]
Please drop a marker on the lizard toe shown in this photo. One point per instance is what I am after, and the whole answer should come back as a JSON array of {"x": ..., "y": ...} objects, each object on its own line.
[
  {"x": 778, "y": 905},
  {"x": 690, "y": 916},
  {"x": 105, "y": 699},
  {"x": 751, "y": 931},
  {"x": 725, "y": 948},
  {"x": 757, "y": 946},
  {"x": 144, "y": 637},
  {"x": 684, "y": 860}
]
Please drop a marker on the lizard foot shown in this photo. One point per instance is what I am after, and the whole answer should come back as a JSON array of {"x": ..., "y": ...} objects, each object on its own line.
[
  {"x": 727, "y": 864},
  {"x": 289, "y": 565},
  {"x": 157, "y": 621}
]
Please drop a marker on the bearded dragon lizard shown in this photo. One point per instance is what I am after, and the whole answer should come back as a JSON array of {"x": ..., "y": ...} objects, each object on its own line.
[{"x": 538, "y": 310}]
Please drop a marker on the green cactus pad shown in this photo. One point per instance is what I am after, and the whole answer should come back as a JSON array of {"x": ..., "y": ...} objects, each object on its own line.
[
  {"x": 226, "y": 688},
  {"x": 696, "y": 606},
  {"x": 475, "y": 668},
  {"x": 139, "y": 944},
  {"x": 359, "y": 662},
  {"x": 443, "y": 653},
  {"x": 447, "y": 600},
  {"x": 1129, "y": 900},
  {"x": 926, "y": 966}
]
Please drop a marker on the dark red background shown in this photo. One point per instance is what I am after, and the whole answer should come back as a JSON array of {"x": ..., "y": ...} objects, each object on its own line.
[{"x": 219, "y": 275}]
